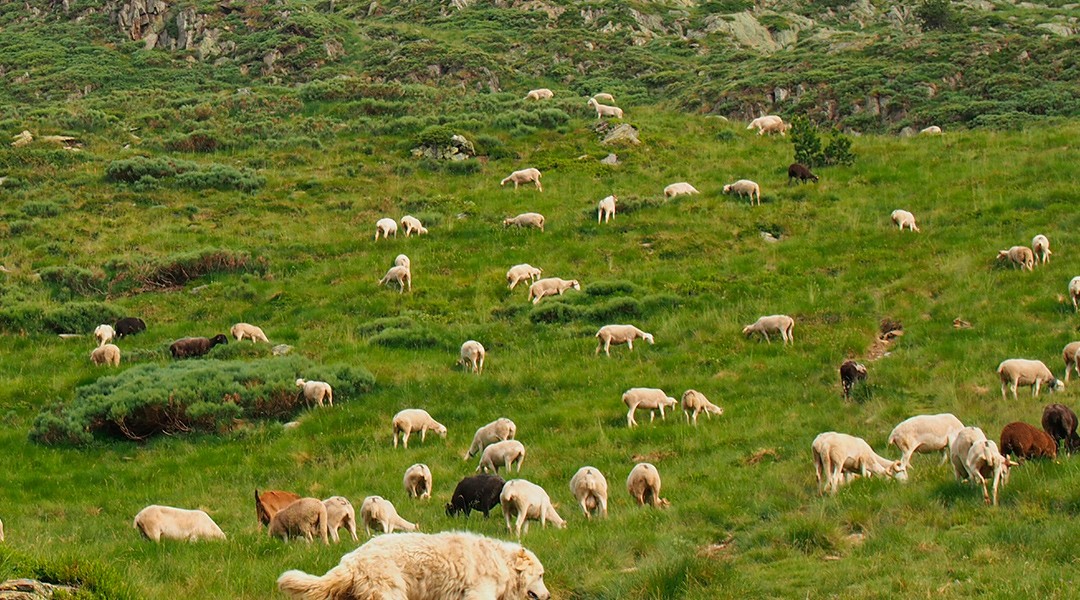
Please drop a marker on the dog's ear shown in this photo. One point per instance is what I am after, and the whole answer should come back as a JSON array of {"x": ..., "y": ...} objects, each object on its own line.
[{"x": 522, "y": 560}]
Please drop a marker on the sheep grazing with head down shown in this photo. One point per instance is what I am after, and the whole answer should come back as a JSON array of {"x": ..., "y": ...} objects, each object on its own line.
[
  {"x": 903, "y": 218},
  {"x": 472, "y": 356},
  {"x": 769, "y": 124},
  {"x": 417, "y": 481},
  {"x": 109, "y": 354},
  {"x": 850, "y": 373},
  {"x": 924, "y": 434},
  {"x": 104, "y": 334},
  {"x": 316, "y": 392},
  {"x": 502, "y": 454},
  {"x": 606, "y": 209},
  {"x": 745, "y": 187},
  {"x": 385, "y": 227},
  {"x": 551, "y": 286},
  {"x": 1040, "y": 246},
  {"x": 529, "y": 219},
  {"x": 603, "y": 97},
  {"x": 270, "y": 502},
  {"x": 411, "y": 224},
  {"x": 402, "y": 261},
  {"x": 1024, "y": 441},
  {"x": 782, "y": 324},
  {"x": 129, "y": 326},
  {"x": 1059, "y": 421},
  {"x": 499, "y": 430},
  {"x": 523, "y": 176},
  {"x": 379, "y": 513},
  {"x": 1069, "y": 353},
  {"x": 304, "y": 518},
  {"x": 837, "y": 454},
  {"x": 415, "y": 419},
  {"x": 590, "y": 488},
  {"x": 800, "y": 172},
  {"x": 1021, "y": 256},
  {"x": 523, "y": 272},
  {"x": 400, "y": 275},
  {"x": 195, "y": 346},
  {"x": 165, "y": 522},
  {"x": 523, "y": 501},
  {"x": 643, "y": 483},
  {"x": 678, "y": 189},
  {"x": 539, "y": 94},
  {"x": 1016, "y": 372},
  {"x": 247, "y": 330},
  {"x": 650, "y": 399},
  {"x": 1074, "y": 291},
  {"x": 340, "y": 514},
  {"x": 620, "y": 334},
  {"x": 695, "y": 403},
  {"x": 931, "y": 130}
]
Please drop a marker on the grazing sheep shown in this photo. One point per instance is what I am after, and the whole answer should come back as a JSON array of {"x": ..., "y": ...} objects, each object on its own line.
[
  {"x": 782, "y": 324},
  {"x": 417, "y": 481},
  {"x": 651, "y": 399},
  {"x": 745, "y": 187},
  {"x": 108, "y": 354},
  {"x": 401, "y": 275},
  {"x": 603, "y": 110},
  {"x": 410, "y": 224},
  {"x": 502, "y": 454},
  {"x": 476, "y": 492},
  {"x": 959, "y": 447},
  {"x": 695, "y": 403},
  {"x": 836, "y": 454},
  {"x": 603, "y": 97},
  {"x": 415, "y": 419},
  {"x": 403, "y": 261},
  {"x": 156, "y": 522},
  {"x": 590, "y": 488},
  {"x": 129, "y": 326},
  {"x": 247, "y": 330},
  {"x": 305, "y": 517},
  {"x": 196, "y": 346},
  {"x": 1015, "y": 372},
  {"x": 643, "y": 483},
  {"x": 800, "y": 172},
  {"x": 496, "y": 431},
  {"x": 606, "y": 209},
  {"x": 1069, "y": 354},
  {"x": 523, "y": 176},
  {"x": 903, "y": 218},
  {"x": 931, "y": 130},
  {"x": 379, "y": 513},
  {"x": 982, "y": 461},
  {"x": 472, "y": 356},
  {"x": 529, "y": 219},
  {"x": 523, "y": 500},
  {"x": 1040, "y": 246},
  {"x": 769, "y": 124},
  {"x": 316, "y": 391},
  {"x": 385, "y": 226},
  {"x": 1021, "y": 256},
  {"x": 620, "y": 334},
  {"x": 551, "y": 286},
  {"x": 677, "y": 189},
  {"x": 340, "y": 513},
  {"x": 1025, "y": 441},
  {"x": 851, "y": 372},
  {"x": 1060, "y": 422},
  {"x": 540, "y": 94},
  {"x": 104, "y": 334},
  {"x": 925, "y": 434},
  {"x": 1074, "y": 291},
  {"x": 270, "y": 502},
  {"x": 523, "y": 272}
]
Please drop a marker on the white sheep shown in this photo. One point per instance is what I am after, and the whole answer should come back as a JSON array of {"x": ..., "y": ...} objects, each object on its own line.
[
  {"x": 1074, "y": 291},
  {"x": 403, "y": 261},
  {"x": 523, "y": 176},
  {"x": 1015, "y": 372},
  {"x": 399, "y": 274},
  {"x": 925, "y": 434},
  {"x": 415, "y": 419},
  {"x": 745, "y": 187},
  {"x": 1040, "y": 246},
  {"x": 931, "y": 130},
  {"x": 529, "y": 219},
  {"x": 603, "y": 110},
  {"x": 838, "y": 453},
  {"x": 551, "y": 286},
  {"x": 523, "y": 272},
  {"x": 417, "y": 481},
  {"x": 540, "y": 94},
  {"x": 499, "y": 430},
  {"x": 340, "y": 513},
  {"x": 603, "y": 97},
  {"x": 651, "y": 399},
  {"x": 903, "y": 218},
  {"x": 769, "y": 124},
  {"x": 782, "y": 324},
  {"x": 107, "y": 354},
  {"x": 984, "y": 461},
  {"x": 678, "y": 189},
  {"x": 695, "y": 403},
  {"x": 247, "y": 330},
  {"x": 1071, "y": 363},
  {"x": 104, "y": 334},
  {"x": 316, "y": 391},
  {"x": 958, "y": 450},
  {"x": 1021, "y": 256},
  {"x": 643, "y": 483},
  {"x": 410, "y": 224},
  {"x": 523, "y": 501},
  {"x": 158, "y": 522},
  {"x": 502, "y": 454},
  {"x": 619, "y": 334},
  {"x": 379, "y": 513},
  {"x": 590, "y": 488},
  {"x": 385, "y": 226},
  {"x": 472, "y": 356},
  {"x": 606, "y": 209}
]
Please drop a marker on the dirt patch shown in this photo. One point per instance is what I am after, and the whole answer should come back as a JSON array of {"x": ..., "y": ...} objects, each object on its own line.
[
  {"x": 718, "y": 549},
  {"x": 760, "y": 455},
  {"x": 653, "y": 457}
]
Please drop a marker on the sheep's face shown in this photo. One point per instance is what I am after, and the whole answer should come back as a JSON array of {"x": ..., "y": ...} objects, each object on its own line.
[
  {"x": 746, "y": 330},
  {"x": 727, "y": 189},
  {"x": 1056, "y": 385},
  {"x": 648, "y": 337},
  {"x": 574, "y": 284},
  {"x": 299, "y": 383},
  {"x": 898, "y": 472},
  {"x": 440, "y": 429}
]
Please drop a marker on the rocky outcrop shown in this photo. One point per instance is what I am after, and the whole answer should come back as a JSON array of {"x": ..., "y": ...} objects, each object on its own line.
[
  {"x": 29, "y": 589},
  {"x": 458, "y": 149},
  {"x": 149, "y": 20}
]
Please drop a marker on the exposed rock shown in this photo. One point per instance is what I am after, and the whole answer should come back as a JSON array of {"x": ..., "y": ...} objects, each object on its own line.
[
  {"x": 745, "y": 29},
  {"x": 907, "y": 132},
  {"x": 768, "y": 237},
  {"x": 625, "y": 133},
  {"x": 610, "y": 159},
  {"x": 22, "y": 139},
  {"x": 458, "y": 149},
  {"x": 281, "y": 349},
  {"x": 1057, "y": 29},
  {"x": 29, "y": 589}
]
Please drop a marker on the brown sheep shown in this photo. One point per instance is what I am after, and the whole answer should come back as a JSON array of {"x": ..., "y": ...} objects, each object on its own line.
[
  {"x": 1059, "y": 421},
  {"x": 270, "y": 502},
  {"x": 851, "y": 372},
  {"x": 195, "y": 346},
  {"x": 800, "y": 172},
  {"x": 1025, "y": 441}
]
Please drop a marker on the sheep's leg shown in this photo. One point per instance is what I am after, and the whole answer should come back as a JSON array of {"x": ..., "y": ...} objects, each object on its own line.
[
  {"x": 630, "y": 421},
  {"x": 652, "y": 415},
  {"x": 423, "y": 434},
  {"x": 630, "y": 344},
  {"x": 1035, "y": 388},
  {"x": 905, "y": 458},
  {"x": 766, "y": 334},
  {"x": 521, "y": 521},
  {"x": 395, "y": 437},
  {"x": 662, "y": 416},
  {"x": 405, "y": 437},
  {"x": 481, "y": 371}
]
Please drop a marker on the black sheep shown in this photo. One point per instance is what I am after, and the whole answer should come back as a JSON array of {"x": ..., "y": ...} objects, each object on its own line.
[
  {"x": 801, "y": 172},
  {"x": 1060, "y": 422},
  {"x": 850, "y": 372},
  {"x": 195, "y": 346},
  {"x": 478, "y": 492},
  {"x": 129, "y": 326}
]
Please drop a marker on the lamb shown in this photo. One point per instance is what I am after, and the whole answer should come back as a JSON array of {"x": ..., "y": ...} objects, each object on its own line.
[
  {"x": 472, "y": 356},
  {"x": 981, "y": 461},
  {"x": 270, "y": 502},
  {"x": 903, "y": 218},
  {"x": 1074, "y": 291},
  {"x": 525, "y": 500},
  {"x": 523, "y": 272},
  {"x": 415, "y": 419},
  {"x": 1040, "y": 246},
  {"x": 403, "y": 261},
  {"x": 1019, "y": 255},
  {"x": 551, "y": 286},
  {"x": 590, "y": 488},
  {"x": 606, "y": 209},
  {"x": 695, "y": 403},
  {"x": 603, "y": 97},
  {"x": 477, "y": 492},
  {"x": 157, "y": 522},
  {"x": 529, "y": 219},
  {"x": 1025, "y": 441},
  {"x": 962, "y": 442},
  {"x": 417, "y": 481},
  {"x": 620, "y": 334},
  {"x": 745, "y": 187},
  {"x": 603, "y": 110},
  {"x": 247, "y": 330},
  {"x": 647, "y": 398},
  {"x": 782, "y": 324},
  {"x": 925, "y": 434},
  {"x": 195, "y": 346},
  {"x": 104, "y": 334},
  {"x": 1069, "y": 354},
  {"x": 316, "y": 391},
  {"x": 410, "y": 224},
  {"x": 931, "y": 130},
  {"x": 379, "y": 513},
  {"x": 677, "y": 189},
  {"x": 523, "y": 176},
  {"x": 540, "y": 94},
  {"x": 1015, "y": 372},
  {"x": 643, "y": 483},
  {"x": 769, "y": 124},
  {"x": 800, "y": 172},
  {"x": 340, "y": 513},
  {"x": 502, "y": 454},
  {"x": 385, "y": 226},
  {"x": 129, "y": 326},
  {"x": 305, "y": 517},
  {"x": 1060, "y": 421},
  {"x": 499, "y": 430},
  {"x": 838, "y": 453},
  {"x": 107, "y": 354},
  {"x": 851, "y": 372},
  {"x": 401, "y": 275}
]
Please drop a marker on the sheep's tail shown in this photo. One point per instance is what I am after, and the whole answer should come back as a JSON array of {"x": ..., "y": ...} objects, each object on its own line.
[{"x": 301, "y": 586}]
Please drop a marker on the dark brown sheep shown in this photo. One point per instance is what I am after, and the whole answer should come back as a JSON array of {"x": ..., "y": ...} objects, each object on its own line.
[
  {"x": 1059, "y": 421},
  {"x": 801, "y": 172},
  {"x": 1025, "y": 441},
  {"x": 850, "y": 372},
  {"x": 270, "y": 502},
  {"x": 196, "y": 346},
  {"x": 129, "y": 326}
]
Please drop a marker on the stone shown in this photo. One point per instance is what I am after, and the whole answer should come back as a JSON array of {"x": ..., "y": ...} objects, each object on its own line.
[
  {"x": 610, "y": 159},
  {"x": 625, "y": 133}
]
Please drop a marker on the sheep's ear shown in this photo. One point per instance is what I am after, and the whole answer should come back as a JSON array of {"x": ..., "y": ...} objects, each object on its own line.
[
  {"x": 521, "y": 560},
  {"x": 1010, "y": 463}
]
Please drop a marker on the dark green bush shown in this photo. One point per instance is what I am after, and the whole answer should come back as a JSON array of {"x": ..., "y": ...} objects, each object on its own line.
[
  {"x": 220, "y": 177},
  {"x": 413, "y": 338},
  {"x": 614, "y": 310},
  {"x": 196, "y": 141},
  {"x": 555, "y": 312},
  {"x": 133, "y": 169},
  {"x": 177, "y": 269},
  {"x": 379, "y": 325},
  {"x": 463, "y": 167},
  {"x": 39, "y": 209},
  {"x": 940, "y": 15},
  {"x": 70, "y": 281},
  {"x": 610, "y": 288},
  {"x": 435, "y": 135},
  {"x": 73, "y": 317},
  {"x": 92, "y": 580}
]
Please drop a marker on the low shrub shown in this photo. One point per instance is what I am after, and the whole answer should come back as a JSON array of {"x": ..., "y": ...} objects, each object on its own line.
[
  {"x": 92, "y": 580},
  {"x": 178, "y": 269},
  {"x": 610, "y": 288},
  {"x": 66, "y": 282}
]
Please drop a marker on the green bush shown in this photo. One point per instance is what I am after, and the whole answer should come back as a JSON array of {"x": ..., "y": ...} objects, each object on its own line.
[
  {"x": 66, "y": 282},
  {"x": 92, "y": 580},
  {"x": 555, "y": 312},
  {"x": 379, "y": 325},
  {"x": 610, "y": 288},
  {"x": 39, "y": 209},
  {"x": 939, "y": 15},
  {"x": 220, "y": 177},
  {"x": 613, "y": 310},
  {"x": 414, "y": 338},
  {"x": 73, "y": 317},
  {"x": 178, "y": 269},
  {"x": 435, "y": 135}
]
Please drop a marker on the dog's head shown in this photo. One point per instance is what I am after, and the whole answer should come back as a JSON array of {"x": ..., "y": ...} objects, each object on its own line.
[{"x": 532, "y": 575}]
